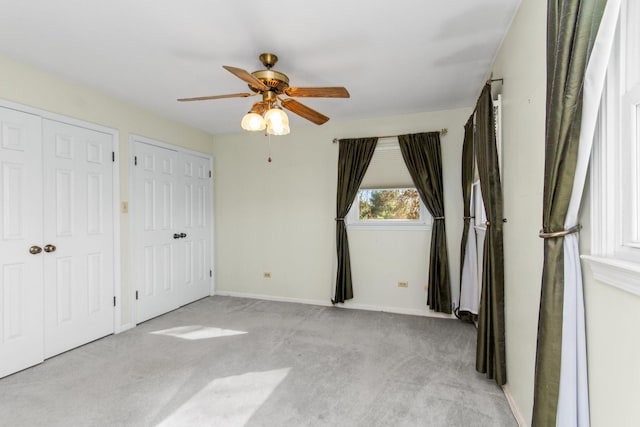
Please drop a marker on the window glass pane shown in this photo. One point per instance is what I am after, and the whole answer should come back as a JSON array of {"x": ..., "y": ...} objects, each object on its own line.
[{"x": 389, "y": 204}]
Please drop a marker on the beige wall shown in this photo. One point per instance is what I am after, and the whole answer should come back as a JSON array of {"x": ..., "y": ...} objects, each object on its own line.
[
  {"x": 612, "y": 316},
  {"x": 279, "y": 217},
  {"x": 26, "y": 85}
]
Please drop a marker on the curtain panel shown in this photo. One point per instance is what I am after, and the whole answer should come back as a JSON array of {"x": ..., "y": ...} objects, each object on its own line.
[
  {"x": 490, "y": 350},
  {"x": 561, "y": 390},
  {"x": 422, "y": 155},
  {"x": 354, "y": 156},
  {"x": 467, "y": 309}
]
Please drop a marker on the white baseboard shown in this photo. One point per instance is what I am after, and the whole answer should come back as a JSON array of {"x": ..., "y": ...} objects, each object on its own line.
[
  {"x": 348, "y": 305},
  {"x": 514, "y": 408},
  {"x": 273, "y": 298}
]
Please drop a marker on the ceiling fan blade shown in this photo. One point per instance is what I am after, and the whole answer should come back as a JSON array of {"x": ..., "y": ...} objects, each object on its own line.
[
  {"x": 205, "y": 98},
  {"x": 246, "y": 76},
  {"x": 304, "y": 111},
  {"x": 317, "y": 92}
]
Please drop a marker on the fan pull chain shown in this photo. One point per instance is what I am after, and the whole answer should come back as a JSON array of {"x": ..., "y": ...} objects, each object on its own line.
[{"x": 269, "y": 158}]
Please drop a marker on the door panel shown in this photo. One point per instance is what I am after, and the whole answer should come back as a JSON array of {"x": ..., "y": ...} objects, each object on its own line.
[
  {"x": 78, "y": 219},
  {"x": 153, "y": 230},
  {"x": 21, "y": 339},
  {"x": 197, "y": 226}
]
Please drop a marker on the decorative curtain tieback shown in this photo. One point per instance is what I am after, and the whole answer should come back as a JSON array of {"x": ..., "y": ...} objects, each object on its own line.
[
  {"x": 555, "y": 234},
  {"x": 488, "y": 223},
  {"x": 435, "y": 218},
  {"x": 339, "y": 219}
]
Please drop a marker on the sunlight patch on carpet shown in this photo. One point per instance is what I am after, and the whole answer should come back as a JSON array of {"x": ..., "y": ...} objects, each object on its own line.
[
  {"x": 197, "y": 332},
  {"x": 229, "y": 401}
]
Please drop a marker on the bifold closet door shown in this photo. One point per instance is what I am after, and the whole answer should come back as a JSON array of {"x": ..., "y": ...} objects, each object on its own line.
[
  {"x": 171, "y": 229},
  {"x": 78, "y": 233},
  {"x": 21, "y": 288}
]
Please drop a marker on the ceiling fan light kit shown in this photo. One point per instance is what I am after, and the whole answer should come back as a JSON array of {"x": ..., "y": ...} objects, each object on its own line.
[{"x": 271, "y": 84}]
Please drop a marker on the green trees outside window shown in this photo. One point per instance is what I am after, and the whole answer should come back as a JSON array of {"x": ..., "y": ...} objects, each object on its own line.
[{"x": 395, "y": 203}]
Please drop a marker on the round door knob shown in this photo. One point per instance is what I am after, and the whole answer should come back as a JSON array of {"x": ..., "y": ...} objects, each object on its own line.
[
  {"x": 35, "y": 250},
  {"x": 49, "y": 248}
]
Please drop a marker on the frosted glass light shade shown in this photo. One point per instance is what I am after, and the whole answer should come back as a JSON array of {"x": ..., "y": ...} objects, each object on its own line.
[
  {"x": 253, "y": 122},
  {"x": 278, "y": 129},
  {"x": 277, "y": 122}
]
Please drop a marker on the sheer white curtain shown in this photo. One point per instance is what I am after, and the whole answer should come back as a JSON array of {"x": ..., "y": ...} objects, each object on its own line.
[
  {"x": 573, "y": 401},
  {"x": 469, "y": 295}
]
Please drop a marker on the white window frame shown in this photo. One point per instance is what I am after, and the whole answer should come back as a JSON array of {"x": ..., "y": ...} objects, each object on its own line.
[
  {"x": 615, "y": 163},
  {"x": 387, "y": 146},
  {"x": 353, "y": 217}
]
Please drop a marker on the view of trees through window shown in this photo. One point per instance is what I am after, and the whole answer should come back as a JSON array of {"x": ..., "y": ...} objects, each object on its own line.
[{"x": 395, "y": 203}]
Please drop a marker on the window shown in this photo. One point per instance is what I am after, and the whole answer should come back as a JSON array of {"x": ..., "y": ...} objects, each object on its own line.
[
  {"x": 387, "y": 196},
  {"x": 615, "y": 162},
  {"x": 394, "y": 204},
  {"x": 393, "y": 207}
]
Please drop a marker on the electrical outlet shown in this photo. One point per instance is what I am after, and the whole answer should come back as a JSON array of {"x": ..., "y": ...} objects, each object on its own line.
[
  {"x": 403, "y": 284},
  {"x": 267, "y": 275}
]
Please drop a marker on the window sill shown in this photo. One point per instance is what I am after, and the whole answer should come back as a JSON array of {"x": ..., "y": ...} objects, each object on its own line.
[{"x": 624, "y": 275}]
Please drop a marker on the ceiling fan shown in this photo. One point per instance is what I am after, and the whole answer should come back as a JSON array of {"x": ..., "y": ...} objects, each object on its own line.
[{"x": 272, "y": 85}]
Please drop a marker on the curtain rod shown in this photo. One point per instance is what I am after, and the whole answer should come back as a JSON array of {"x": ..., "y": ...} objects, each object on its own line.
[
  {"x": 491, "y": 80},
  {"x": 442, "y": 131}
]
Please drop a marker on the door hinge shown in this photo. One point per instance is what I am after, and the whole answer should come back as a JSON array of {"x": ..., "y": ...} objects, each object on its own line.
[
  {"x": 209, "y": 174},
  {"x": 135, "y": 160},
  {"x": 210, "y": 273},
  {"x": 136, "y": 295},
  {"x": 114, "y": 301},
  {"x": 113, "y": 156}
]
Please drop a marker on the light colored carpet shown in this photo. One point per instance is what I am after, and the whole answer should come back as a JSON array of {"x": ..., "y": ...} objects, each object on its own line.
[{"x": 226, "y": 362}]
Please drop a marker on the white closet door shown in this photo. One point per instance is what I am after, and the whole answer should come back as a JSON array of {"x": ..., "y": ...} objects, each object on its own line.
[
  {"x": 78, "y": 220},
  {"x": 194, "y": 220},
  {"x": 171, "y": 229},
  {"x": 153, "y": 230},
  {"x": 21, "y": 339}
]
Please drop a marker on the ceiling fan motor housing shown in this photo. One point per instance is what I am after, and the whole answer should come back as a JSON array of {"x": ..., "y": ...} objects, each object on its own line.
[{"x": 277, "y": 81}]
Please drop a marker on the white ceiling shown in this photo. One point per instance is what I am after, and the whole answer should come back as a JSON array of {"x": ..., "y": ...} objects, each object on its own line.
[{"x": 394, "y": 57}]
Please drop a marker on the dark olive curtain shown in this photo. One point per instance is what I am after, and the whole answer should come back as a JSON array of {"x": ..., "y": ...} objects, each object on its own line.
[
  {"x": 490, "y": 353},
  {"x": 354, "y": 156},
  {"x": 421, "y": 153},
  {"x": 572, "y": 26},
  {"x": 467, "y": 183}
]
